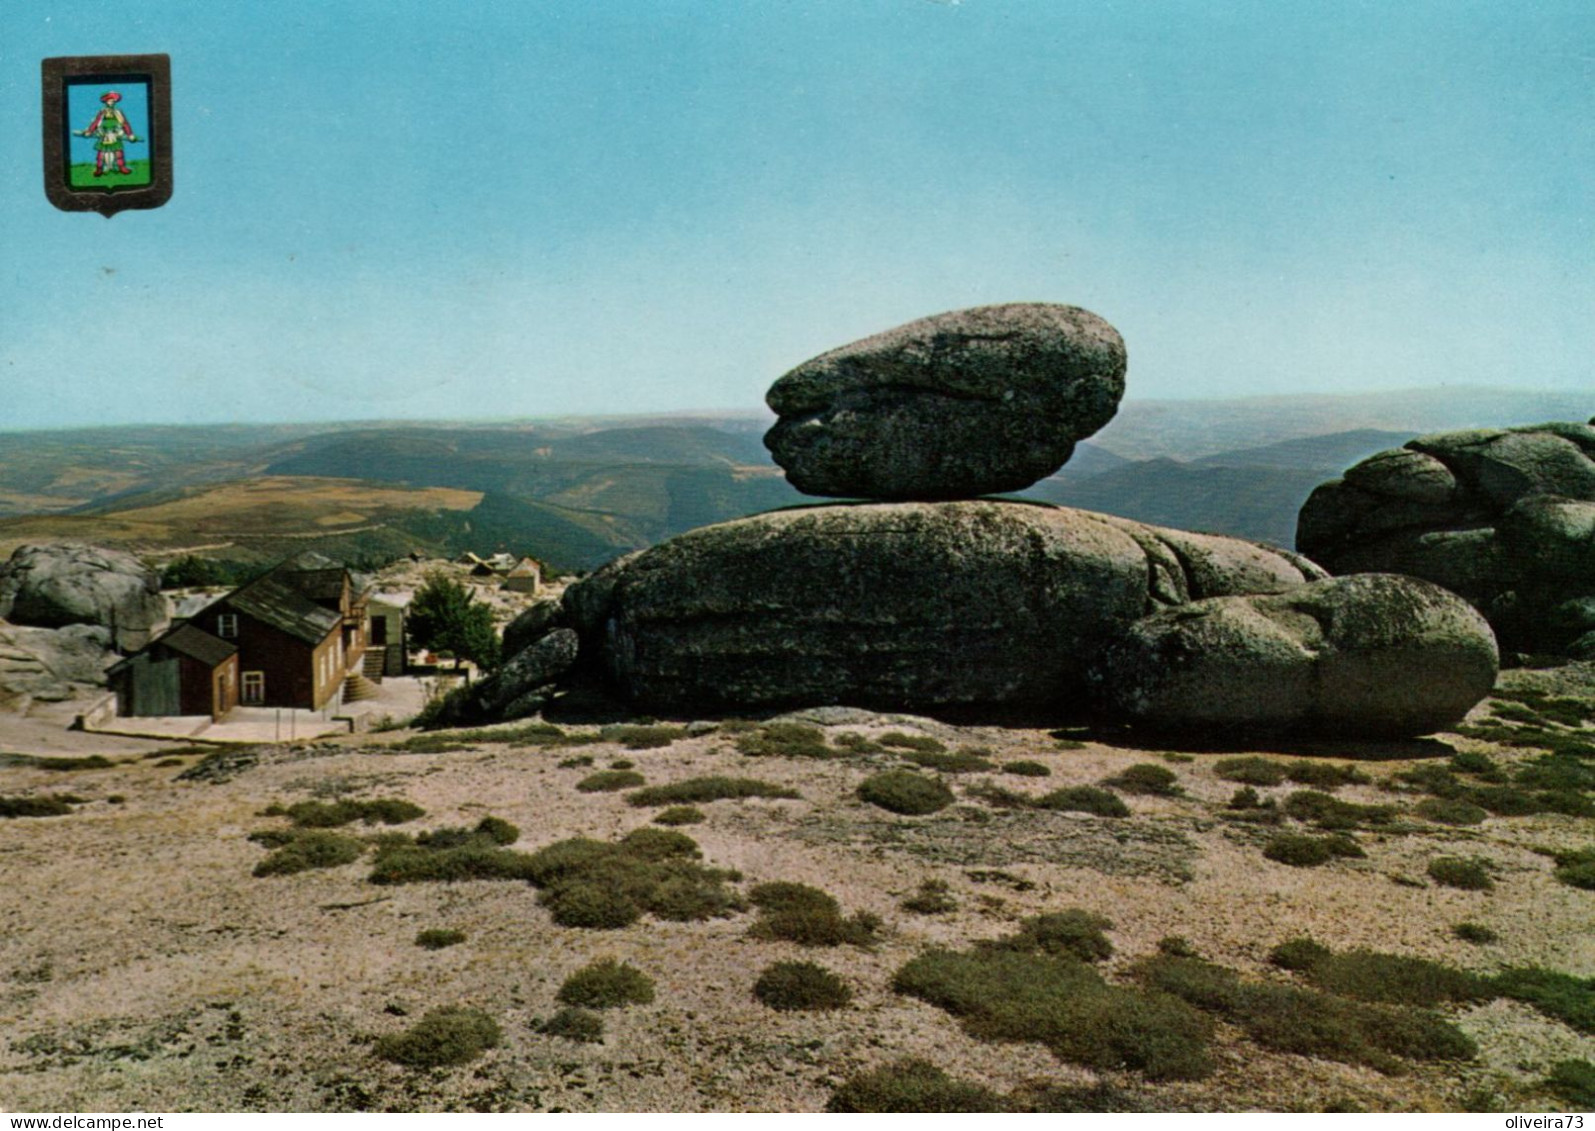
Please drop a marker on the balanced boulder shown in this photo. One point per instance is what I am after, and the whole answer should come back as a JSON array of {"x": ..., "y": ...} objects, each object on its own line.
[
  {"x": 902, "y": 606},
  {"x": 953, "y": 406},
  {"x": 1368, "y": 655},
  {"x": 60, "y": 584}
]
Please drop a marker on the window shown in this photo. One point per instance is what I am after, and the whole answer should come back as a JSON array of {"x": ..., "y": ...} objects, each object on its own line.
[
  {"x": 227, "y": 626},
  {"x": 254, "y": 687}
]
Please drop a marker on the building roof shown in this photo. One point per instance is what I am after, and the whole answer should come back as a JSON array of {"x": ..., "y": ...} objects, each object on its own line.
[
  {"x": 197, "y": 644},
  {"x": 272, "y": 600},
  {"x": 526, "y": 567}
]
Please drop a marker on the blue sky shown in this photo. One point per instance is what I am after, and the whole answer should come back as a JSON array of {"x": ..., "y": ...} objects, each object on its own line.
[{"x": 390, "y": 209}]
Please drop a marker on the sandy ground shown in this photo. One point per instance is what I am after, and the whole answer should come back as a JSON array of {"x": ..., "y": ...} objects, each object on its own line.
[{"x": 143, "y": 967}]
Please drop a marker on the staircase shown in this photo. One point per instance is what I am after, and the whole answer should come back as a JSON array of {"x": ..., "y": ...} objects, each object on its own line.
[
  {"x": 357, "y": 687},
  {"x": 372, "y": 663}
]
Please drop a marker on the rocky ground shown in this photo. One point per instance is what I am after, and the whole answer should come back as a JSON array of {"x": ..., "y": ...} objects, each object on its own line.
[{"x": 144, "y": 966}]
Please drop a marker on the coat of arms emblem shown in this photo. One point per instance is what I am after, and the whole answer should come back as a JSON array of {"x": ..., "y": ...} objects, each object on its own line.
[{"x": 107, "y": 132}]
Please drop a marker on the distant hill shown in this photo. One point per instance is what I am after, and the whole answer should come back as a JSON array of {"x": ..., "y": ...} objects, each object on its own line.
[{"x": 1331, "y": 453}]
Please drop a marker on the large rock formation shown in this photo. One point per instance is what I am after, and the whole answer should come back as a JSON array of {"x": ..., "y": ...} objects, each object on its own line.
[
  {"x": 60, "y": 584},
  {"x": 44, "y": 664},
  {"x": 1370, "y": 655},
  {"x": 953, "y": 406},
  {"x": 1504, "y": 517},
  {"x": 906, "y": 605}
]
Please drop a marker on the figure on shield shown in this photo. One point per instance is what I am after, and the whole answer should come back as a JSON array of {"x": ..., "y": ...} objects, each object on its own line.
[{"x": 110, "y": 128}]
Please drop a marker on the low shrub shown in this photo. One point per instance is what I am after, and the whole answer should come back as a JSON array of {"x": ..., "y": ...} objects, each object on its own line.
[
  {"x": 1008, "y": 995},
  {"x": 696, "y": 791},
  {"x": 591, "y": 884},
  {"x": 932, "y": 898},
  {"x": 1395, "y": 979},
  {"x": 794, "y": 986},
  {"x": 312, "y": 848},
  {"x": 50, "y": 805},
  {"x": 808, "y": 916},
  {"x": 1299, "y": 954},
  {"x": 1177, "y": 946},
  {"x": 1561, "y": 996},
  {"x": 855, "y": 743},
  {"x": 451, "y": 854},
  {"x": 1026, "y": 769},
  {"x": 679, "y": 815},
  {"x": 785, "y": 740},
  {"x": 1324, "y": 775},
  {"x": 576, "y": 761},
  {"x": 442, "y": 1038},
  {"x": 1147, "y": 778},
  {"x": 1247, "y": 798},
  {"x": 1455, "y": 872},
  {"x": 905, "y": 792},
  {"x": 634, "y": 736},
  {"x": 897, "y": 740},
  {"x": 1000, "y": 796},
  {"x": 606, "y": 984},
  {"x": 1073, "y": 932},
  {"x": 610, "y": 781},
  {"x": 574, "y": 1024},
  {"x": 437, "y": 938},
  {"x": 1084, "y": 799},
  {"x": 1250, "y": 770},
  {"x": 1326, "y": 812},
  {"x": 84, "y": 762},
  {"x": 1308, "y": 1022},
  {"x": 911, "y": 1086},
  {"x": 1576, "y": 868},
  {"x": 1300, "y": 851},
  {"x": 965, "y": 761},
  {"x": 498, "y": 830},
  {"x": 1574, "y": 1082},
  {"x": 1472, "y": 762},
  {"x": 325, "y": 815},
  {"x": 1450, "y": 811},
  {"x": 622, "y": 764},
  {"x": 1476, "y": 933}
]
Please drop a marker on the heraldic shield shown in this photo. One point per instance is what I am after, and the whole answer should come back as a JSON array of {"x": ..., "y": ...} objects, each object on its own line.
[{"x": 107, "y": 132}]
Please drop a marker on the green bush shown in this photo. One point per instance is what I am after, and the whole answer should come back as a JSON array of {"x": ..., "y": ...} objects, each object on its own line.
[
  {"x": 640, "y": 737},
  {"x": 498, "y": 830},
  {"x": 1247, "y": 798},
  {"x": 1000, "y": 796},
  {"x": 1472, "y": 762},
  {"x": 313, "y": 848},
  {"x": 1307, "y": 1022},
  {"x": 679, "y": 815},
  {"x": 905, "y": 792},
  {"x": 1298, "y": 954},
  {"x": 793, "y": 986},
  {"x": 1084, "y": 799},
  {"x": 1026, "y": 769},
  {"x": 1328, "y": 812},
  {"x": 451, "y": 854},
  {"x": 910, "y": 1086},
  {"x": 1148, "y": 778},
  {"x": 785, "y": 740},
  {"x": 932, "y": 898},
  {"x": 1309, "y": 851},
  {"x": 1557, "y": 995},
  {"x": 576, "y": 761},
  {"x": 1577, "y": 868},
  {"x": 1060, "y": 1002},
  {"x": 1324, "y": 775},
  {"x": 1455, "y": 872},
  {"x": 606, "y": 984},
  {"x": 442, "y": 1038},
  {"x": 696, "y": 791},
  {"x": 436, "y": 938},
  {"x": 1250, "y": 771},
  {"x": 1073, "y": 932},
  {"x": 1395, "y": 979},
  {"x": 1574, "y": 1082},
  {"x": 50, "y": 805},
  {"x": 575, "y": 1024},
  {"x": 964, "y": 761},
  {"x": 1450, "y": 811},
  {"x": 322, "y": 815},
  {"x": 808, "y": 916},
  {"x": 1177, "y": 946},
  {"x": 610, "y": 781},
  {"x": 897, "y": 740},
  {"x": 599, "y": 886},
  {"x": 1476, "y": 933},
  {"x": 855, "y": 743}
]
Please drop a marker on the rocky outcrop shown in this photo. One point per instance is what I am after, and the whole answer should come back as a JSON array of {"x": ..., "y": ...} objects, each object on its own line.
[
  {"x": 41, "y": 664},
  {"x": 1370, "y": 655},
  {"x": 953, "y": 406},
  {"x": 905, "y": 605},
  {"x": 521, "y": 682},
  {"x": 1504, "y": 517},
  {"x": 60, "y": 584}
]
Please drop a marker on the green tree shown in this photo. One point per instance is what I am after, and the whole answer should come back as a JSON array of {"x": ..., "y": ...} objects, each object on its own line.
[{"x": 446, "y": 617}]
